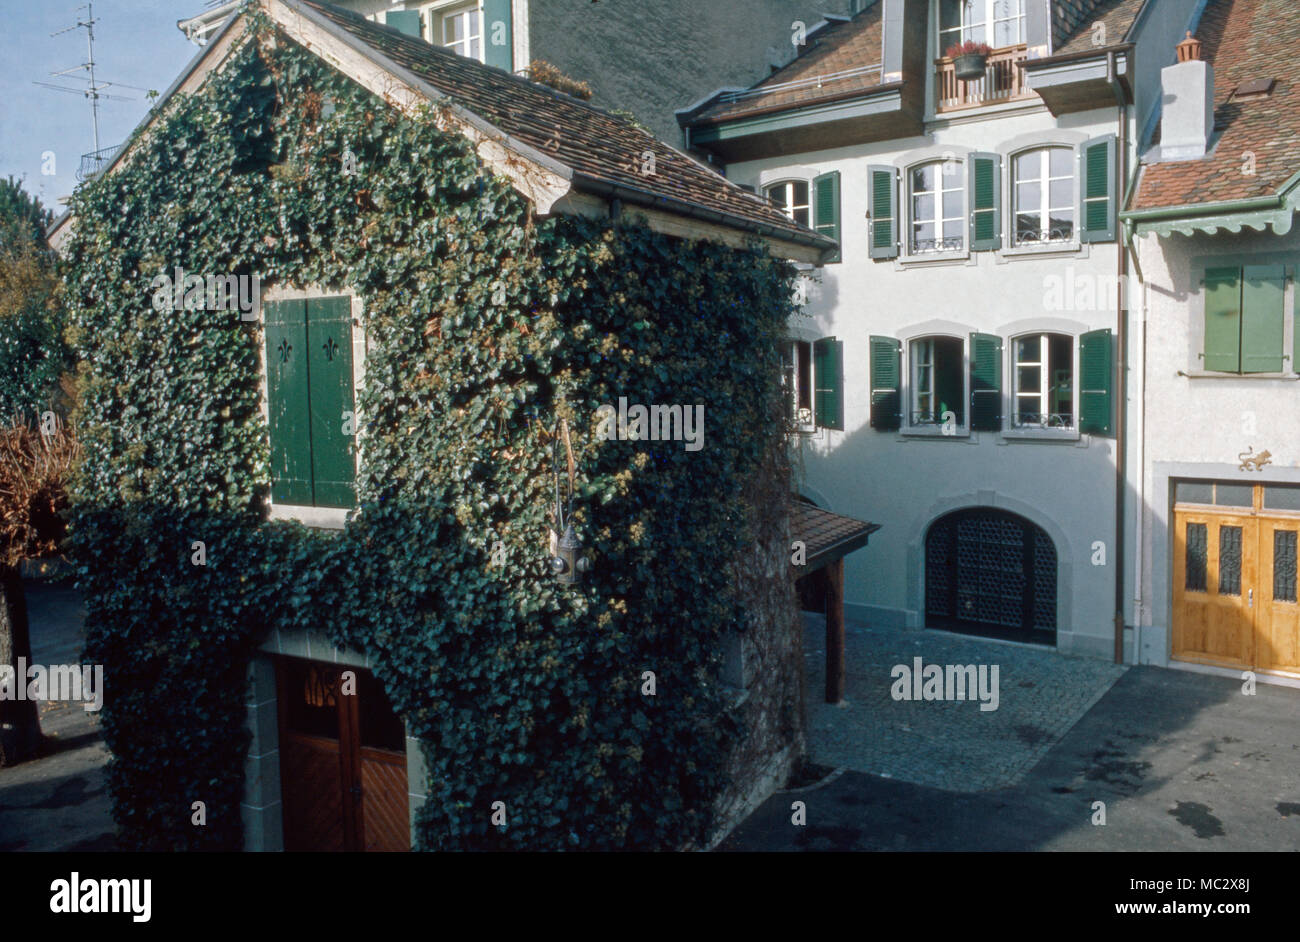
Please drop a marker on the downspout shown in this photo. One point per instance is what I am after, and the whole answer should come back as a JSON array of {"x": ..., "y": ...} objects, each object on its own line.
[{"x": 1121, "y": 344}]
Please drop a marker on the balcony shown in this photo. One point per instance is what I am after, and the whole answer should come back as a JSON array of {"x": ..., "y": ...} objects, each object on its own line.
[
  {"x": 92, "y": 163},
  {"x": 1004, "y": 80}
]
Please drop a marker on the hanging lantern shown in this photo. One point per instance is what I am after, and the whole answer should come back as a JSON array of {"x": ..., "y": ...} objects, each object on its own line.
[{"x": 568, "y": 559}]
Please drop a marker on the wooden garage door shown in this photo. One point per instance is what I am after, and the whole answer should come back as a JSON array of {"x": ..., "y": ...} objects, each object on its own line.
[
  {"x": 342, "y": 760},
  {"x": 1234, "y": 591}
]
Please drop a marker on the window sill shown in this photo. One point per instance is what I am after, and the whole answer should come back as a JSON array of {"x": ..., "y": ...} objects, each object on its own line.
[
  {"x": 1041, "y": 434},
  {"x": 934, "y": 258},
  {"x": 1206, "y": 374},
  {"x": 1059, "y": 249},
  {"x": 322, "y": 518},
  {"x": 961, "y": 432}
]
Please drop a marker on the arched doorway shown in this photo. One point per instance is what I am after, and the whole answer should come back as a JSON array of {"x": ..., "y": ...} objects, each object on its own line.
[{"x": 991, "y": 572}]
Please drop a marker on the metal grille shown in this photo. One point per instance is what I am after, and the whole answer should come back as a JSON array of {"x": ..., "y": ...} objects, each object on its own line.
[
  {"x": 938, "y": 582},
  {"x": 1044, "y": 582},
  {"x": 989, "y": 567},
  {"x": 1284, "y": 565},
  {"x": 1229, "y": 560},
  {"x": 1194, "y": 580}
]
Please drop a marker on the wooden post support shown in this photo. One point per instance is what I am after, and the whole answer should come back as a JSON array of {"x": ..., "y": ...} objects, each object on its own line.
[{"x": 835, "y": 631}]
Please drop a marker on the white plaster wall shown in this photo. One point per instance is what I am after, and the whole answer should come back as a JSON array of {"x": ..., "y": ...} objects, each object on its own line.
[
  {"x": 904, "y": 482},
  {"x": 1199, "y": 426}
]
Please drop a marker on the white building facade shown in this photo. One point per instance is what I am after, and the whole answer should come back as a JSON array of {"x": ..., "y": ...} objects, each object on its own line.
[{"x": 957, "y": 376}]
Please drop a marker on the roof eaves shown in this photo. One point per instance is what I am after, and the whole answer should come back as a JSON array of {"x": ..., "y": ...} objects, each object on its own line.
[
  {"x": 646, "y": 198},
  {"x": 795, "y": 106}
]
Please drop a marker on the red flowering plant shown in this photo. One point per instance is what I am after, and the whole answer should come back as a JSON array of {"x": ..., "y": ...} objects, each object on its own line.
[{"x": 969, "y": 48}]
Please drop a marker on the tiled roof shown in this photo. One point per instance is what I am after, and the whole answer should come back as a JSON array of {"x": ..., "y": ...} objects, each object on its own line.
[
  {"x": 826, "y": 536},
  {"x": 841, "y": 58},
  {"x": 1243, "y": 39},
  {"x": 1072, "y": 22},
  {"x": 593, "y": 143}
]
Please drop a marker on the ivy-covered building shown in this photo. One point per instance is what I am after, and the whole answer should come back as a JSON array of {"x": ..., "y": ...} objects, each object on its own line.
[{"x": 353, "y": 314}]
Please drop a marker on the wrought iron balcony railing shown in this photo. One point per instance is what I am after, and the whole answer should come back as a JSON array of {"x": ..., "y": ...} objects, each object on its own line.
[{"x": 93, "y": 162}]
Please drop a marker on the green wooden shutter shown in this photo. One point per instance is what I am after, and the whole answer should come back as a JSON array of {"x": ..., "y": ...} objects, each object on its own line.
[
  {"x": 1263, "y": 318},
  {"x": 985, "y": 202},
  {"x": 826, "y": 208},
  {"x": 1222, "y": 319},
  {"x": 985, "y": 382},
  {"x": 886, "y": 377},
  {"x": 883, "y": 208},
  {"x": 1097, "y": 190},
  {"x": 329, "y": 357},
  {"x": 1095, "y": 357},
  {"x": 498, "y": 45},
  {"x": 828, "y": 383},
  {"x": 286, "y": 400},
  {"x": 406, "y": 21}
]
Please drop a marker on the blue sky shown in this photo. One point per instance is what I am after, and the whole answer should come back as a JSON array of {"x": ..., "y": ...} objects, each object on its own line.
[{"x": 136, "y": 43}]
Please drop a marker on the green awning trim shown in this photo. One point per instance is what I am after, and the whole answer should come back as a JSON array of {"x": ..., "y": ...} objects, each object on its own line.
[{"x": 1260, "y": 213}]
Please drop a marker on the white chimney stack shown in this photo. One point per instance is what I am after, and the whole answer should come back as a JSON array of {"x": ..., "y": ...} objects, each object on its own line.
[{"x": 1187, "y": 87}]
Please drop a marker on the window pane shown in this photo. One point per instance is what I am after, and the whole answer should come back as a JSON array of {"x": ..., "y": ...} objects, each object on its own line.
[
  {"x": 1230, "y": 560},
  {"x": 1061, "y": 226},
  {"x": 1061, "y": 162},
  {"x": 1027, "y": 349},
  {"x": 923, "y": 178},
  {"x": 1029, "y": 166},
  {"x": 1026, "y": 228},
  {"x": 1282, "y": 498},
  {"x": 1029, "y": 197},
  {"x": 1284, "y": 565},
  {"x": 1060, "y": 194},
  {"x": 923, "y": 207},
  {"x": 949, "y": 14},
  {"x": 1005, "y": 33},
  {"x": 1027, "y": 379},
  {"x": 1234, "y": 495},
  {"x": 474, "y": 49},
  {"x": 777, "y": 194},
  {"x": 1195, "y": 492},
  {"x": 952, "y": 230},
  {"x": 801, "y": 216},
  {"x": 801, "y": 193},
  {"x": 1194, "y": 579},
  {"x": 952, "y": 204}
]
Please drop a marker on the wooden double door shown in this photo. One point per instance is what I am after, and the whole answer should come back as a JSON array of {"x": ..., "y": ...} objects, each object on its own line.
[
  {"x": 1234, "y": 579},
  {"x": 342, "y": 760}
]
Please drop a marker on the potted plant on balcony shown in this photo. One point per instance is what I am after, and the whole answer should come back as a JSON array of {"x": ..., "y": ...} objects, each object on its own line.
[{"x": 969, "y": 59}]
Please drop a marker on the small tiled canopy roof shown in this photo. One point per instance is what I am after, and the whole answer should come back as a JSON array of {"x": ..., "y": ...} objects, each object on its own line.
[
  {"x": 1243, "y": 40},
  {"x": 598, "y": 146},
  {"x": 1073, "y": 21},
  {"x": 841, "y": 59},
  {"x": 826, "y": 536}
]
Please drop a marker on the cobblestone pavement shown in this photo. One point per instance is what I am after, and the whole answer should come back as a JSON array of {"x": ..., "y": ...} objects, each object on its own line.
[
  {"x": 950, "y": 745},
  {"x": 58, "y": 801}
]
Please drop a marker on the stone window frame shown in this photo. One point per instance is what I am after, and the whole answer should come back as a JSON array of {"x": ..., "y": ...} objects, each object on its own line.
[{"x": 326, "y": 518}]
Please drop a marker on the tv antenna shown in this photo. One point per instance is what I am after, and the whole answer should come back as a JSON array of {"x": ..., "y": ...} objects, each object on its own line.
[{"x": 94, "y": 90}]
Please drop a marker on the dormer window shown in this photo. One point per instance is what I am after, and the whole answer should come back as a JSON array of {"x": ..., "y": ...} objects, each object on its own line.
[
  {"x": 791, "y": 197},
  {"x": 461, "y": 30},
  {"x": 999, "y": 23}
]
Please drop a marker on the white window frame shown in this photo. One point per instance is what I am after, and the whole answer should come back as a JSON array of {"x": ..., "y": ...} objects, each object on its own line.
[
  {"x": 988, "y": 22},
  {"x": 804, "y": 424},
  {"x": 909, "y": 391},
  {"x": 326, "y": 518},
  {"x": 791, "y": 206},
  {"x": 951, "y": 170},
  {"x": 433, "y": 16},
  {"x": 1012, "y": 394},
  {"x": 1044, "y": 201}
]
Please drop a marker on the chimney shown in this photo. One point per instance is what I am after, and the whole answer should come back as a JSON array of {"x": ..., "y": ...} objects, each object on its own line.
[{"x": 1187, "y": 87}]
